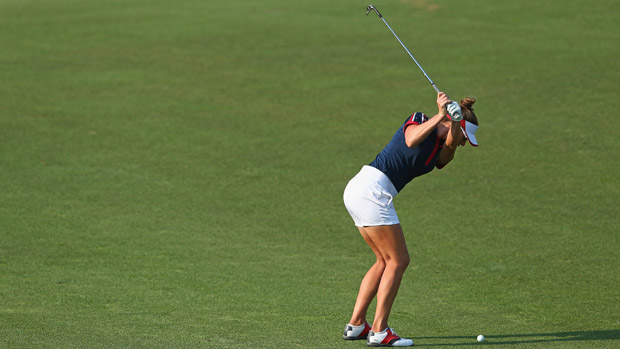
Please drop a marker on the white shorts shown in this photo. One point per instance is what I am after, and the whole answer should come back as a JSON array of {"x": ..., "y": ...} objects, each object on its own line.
[{"x": 368, "y": 198}]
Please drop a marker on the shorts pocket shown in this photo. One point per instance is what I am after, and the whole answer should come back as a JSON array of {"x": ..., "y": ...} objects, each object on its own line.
[{"x": 383, "y": 198}]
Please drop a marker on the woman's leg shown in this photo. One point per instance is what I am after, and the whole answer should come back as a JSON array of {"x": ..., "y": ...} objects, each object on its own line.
[
  {"x": 369, "y": 285},
  {"x": 389, "y": 240}
]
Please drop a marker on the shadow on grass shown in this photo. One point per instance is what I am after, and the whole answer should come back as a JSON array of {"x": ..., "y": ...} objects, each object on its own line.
[{"x": 509, "y": 339}]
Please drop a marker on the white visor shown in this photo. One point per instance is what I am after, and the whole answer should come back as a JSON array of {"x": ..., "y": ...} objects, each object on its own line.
[{"x": 469, "y": 130}]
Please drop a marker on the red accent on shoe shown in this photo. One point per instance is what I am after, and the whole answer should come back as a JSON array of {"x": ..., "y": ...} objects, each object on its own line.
[
  {"x": 390, "y": 338},
  {"x": 367, "y": 329}
]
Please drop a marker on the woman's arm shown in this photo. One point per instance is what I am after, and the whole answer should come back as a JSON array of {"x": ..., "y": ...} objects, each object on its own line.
[
  {"x": 454, "y": 138},
  {"x": 416, "y": 134}
]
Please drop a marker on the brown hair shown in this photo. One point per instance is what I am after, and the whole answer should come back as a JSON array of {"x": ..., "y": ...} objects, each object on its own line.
[{"x": 468, "y": 111}]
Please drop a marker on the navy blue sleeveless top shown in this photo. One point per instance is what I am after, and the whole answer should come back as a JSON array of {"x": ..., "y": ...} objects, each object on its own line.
[{"x": 402, "y": 164}]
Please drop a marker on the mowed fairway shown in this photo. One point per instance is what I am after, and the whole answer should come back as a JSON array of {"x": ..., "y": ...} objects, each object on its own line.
[{"x": 172, "y": 171}]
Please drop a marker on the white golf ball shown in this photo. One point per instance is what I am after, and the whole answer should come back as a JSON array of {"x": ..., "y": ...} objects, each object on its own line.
[{"x": 480, "y": 338}]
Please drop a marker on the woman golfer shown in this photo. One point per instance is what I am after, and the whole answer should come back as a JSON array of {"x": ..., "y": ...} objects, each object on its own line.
[{"x": 419, "y": 145}]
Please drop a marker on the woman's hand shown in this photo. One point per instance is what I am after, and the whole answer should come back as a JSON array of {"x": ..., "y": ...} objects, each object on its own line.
[{"x": 442, "y": 101}]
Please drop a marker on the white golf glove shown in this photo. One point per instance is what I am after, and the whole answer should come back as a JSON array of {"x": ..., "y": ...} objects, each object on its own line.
[{"x": 454, "y": 110}]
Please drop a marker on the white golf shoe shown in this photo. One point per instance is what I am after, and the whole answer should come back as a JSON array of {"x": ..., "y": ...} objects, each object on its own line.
[
  {"x": 352, "y": 333},
  {"x": 387, "y": 338}
]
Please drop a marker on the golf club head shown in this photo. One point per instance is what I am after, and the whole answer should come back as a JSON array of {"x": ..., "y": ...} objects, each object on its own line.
[{"x": 372, "y": 8}]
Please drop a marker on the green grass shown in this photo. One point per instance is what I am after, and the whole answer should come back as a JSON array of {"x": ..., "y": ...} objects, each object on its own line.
[{"x": 172, "y": 172}]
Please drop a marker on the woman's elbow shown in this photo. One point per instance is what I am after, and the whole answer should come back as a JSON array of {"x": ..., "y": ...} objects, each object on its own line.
[
  {"x": 412, "y": 142},
  {"x": 445, "y": 158}
]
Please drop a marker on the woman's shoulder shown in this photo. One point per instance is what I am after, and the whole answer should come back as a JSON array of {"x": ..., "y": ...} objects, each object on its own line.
[{"x": 417, "y": 118}]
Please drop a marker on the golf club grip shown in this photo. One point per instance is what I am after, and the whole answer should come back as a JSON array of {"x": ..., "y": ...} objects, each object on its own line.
[{"x": 436, "y": 88}]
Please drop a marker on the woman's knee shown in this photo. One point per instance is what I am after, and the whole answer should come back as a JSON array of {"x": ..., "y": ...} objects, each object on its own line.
[
  {"x": 400, "y": 262},
  {"x": 406, "y": 260},
  {"x": 380, "y": 263}
]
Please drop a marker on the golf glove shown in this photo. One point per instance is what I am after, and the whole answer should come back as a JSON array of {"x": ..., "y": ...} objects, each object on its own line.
[{"x": 454, "y": 110}]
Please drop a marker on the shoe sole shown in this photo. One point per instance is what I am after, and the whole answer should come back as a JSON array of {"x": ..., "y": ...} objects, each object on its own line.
[{"x": 385, "y": 345}]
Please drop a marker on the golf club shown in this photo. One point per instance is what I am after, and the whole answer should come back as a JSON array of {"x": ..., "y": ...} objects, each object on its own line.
[{"x": 373, "y": 8}]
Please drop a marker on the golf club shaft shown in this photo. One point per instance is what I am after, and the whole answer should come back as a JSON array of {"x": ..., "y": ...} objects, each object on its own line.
[{"x": 373, "y": 8}]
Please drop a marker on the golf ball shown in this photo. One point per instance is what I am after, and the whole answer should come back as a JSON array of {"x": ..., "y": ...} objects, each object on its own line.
[{"x": 480, "y": 338}]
